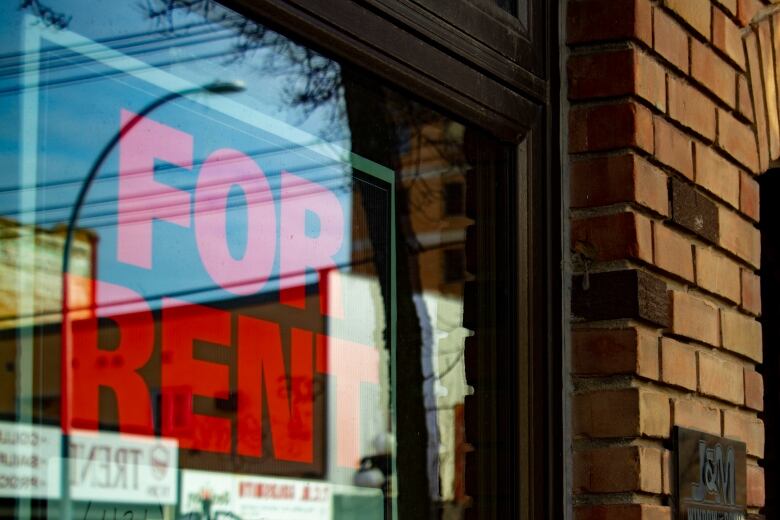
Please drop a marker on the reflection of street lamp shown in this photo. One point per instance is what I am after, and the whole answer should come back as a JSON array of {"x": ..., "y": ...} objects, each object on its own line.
[
  {"x": 217, "y": 87},
  {"x": 375, "y": 469}
]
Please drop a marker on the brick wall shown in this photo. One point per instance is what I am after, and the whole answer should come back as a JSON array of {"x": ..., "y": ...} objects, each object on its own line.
[{"x": 673, "y": 113}]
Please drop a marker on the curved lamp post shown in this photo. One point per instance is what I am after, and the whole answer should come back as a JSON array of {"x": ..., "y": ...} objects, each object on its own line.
[{"x": 217, "y": 87}]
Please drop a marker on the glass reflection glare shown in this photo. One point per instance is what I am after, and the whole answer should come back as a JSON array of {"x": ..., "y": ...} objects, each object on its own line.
[{"x": 200, "y": 291}]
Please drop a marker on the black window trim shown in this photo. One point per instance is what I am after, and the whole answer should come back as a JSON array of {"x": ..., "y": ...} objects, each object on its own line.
[
  {"x": 414, "y": 58},
  {"x": 403, "y": 42}
]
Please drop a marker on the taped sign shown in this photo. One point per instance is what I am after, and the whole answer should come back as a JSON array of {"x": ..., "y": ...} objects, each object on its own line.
[
  {"x": 29, "y": 461},
  {"x": 255, "y": 497},
  {"x": 130, "y": 469}
]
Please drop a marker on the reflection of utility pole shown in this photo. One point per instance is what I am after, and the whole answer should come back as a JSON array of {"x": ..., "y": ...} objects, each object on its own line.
[
  {"x": 374, "y": 136},
  {"x": 217, "y": 87}
]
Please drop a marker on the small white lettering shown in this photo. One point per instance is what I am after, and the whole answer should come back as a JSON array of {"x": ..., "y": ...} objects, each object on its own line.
[{"x": 696, "y": 513}]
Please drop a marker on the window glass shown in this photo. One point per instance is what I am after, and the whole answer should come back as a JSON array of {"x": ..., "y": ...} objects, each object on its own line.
[
  {"x": 510, "y": 6},
  {"x": 241, "y": 279},
  {"x": 517, "y": 8}
]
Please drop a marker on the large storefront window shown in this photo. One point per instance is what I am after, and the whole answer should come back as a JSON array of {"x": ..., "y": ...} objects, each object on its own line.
[{"x": 243, "y": 280}]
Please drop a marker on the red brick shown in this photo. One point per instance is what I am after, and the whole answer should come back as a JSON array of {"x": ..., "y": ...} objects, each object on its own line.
[
  {"x": 727, "y": 38},
  {"x": 623, "y": 512},
  {"x": 694, "y": 318},
  {"x": 691, "y": 108},
  {"x": 770, "y": 87},
  {"x": 667, "y": 468},
  {"x": 754, "y": 390},
  {"x": 615, "y": 351},
  {"x": 650, "y": 80},
  {"x": 739, "y": 236},
  {"x": 602, "y": 181},
  {"x": 603, "y": 74},
  {"x": 672, "y": 251},
  {"x": 742, "y": 334},
  {"x": 721, "y": 378},
  {"x": 618, "y": 469},
  {"x": 744, "y": 102},
  {"x": 716, "y": 174},
  {"x": 771, "y": 74},
  {"x": 609, "y": 20},
  {"x": 606, "y": 127},
  {"x": 673, "y": 148},
  {"x": 747, "y": 9},
  {"x": 678, "y": 364},
  {"x": 614, "y": 237},
  {"x": 759, "y": 105},
  {"x": 749, "y": 196},
  {"x": 628, "y": 412},
  {"x": 696, "y": 13},
  {"x": 670, "y": 40},
  {"x": 746, "y": 428},
  {"x": 738, "y": 140},
  {"x": 729, "y": 5},
  {"x": 756, "y": 494},
  {"x": 718, "y": 274},
  {"x": 714, "y": 73},
  {"x": 622, "y": 72},
  {"x": 751, "y": 292},
  {"x": 655, "y": 416},
  {"x": 690, "y": 413}
]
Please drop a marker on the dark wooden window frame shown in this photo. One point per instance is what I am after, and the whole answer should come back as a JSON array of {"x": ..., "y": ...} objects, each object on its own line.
[{"x": 449, "y": 53}]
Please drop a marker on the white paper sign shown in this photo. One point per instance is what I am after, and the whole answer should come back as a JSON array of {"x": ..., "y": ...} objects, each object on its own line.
[
  {"x": 113, "y": 467},
  {"x": 255, "y": 498},
  {"x": 29, "y": 461}
]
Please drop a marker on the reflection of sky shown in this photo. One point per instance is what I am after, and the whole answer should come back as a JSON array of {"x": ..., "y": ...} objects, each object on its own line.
[
  {"x": 179, "y": 52},
  {"x": 77, "y": 118},
  {"x": 200, "y": 52}
]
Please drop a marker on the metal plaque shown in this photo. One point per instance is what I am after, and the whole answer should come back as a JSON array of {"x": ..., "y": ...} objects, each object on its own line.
[{"x": 711, "y": 475}]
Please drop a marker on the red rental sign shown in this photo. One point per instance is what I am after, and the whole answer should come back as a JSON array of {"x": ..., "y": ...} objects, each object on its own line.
[{"x": 262, "y": 377}]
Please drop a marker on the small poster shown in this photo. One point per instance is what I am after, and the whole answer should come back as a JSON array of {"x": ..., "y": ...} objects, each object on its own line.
[
  {"x": 29, "y": 461},
  {"x": 250, "y": 497},
  {"x": 131, "y": 469}
]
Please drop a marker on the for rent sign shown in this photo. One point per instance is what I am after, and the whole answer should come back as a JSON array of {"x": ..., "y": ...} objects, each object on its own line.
[
  {"x": 223, "y": 241},
  {"x": 275, "y": 361}
]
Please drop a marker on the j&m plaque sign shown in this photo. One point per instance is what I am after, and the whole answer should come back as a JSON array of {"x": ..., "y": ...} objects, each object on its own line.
[{"x": 711, "y": 477}]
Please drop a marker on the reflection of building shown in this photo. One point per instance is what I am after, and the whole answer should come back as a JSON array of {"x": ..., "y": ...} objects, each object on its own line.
[
  {"x": 21, "y": 246},
  {"x": 434, "y": 172},
  {"x": 31, "y": 299}
]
